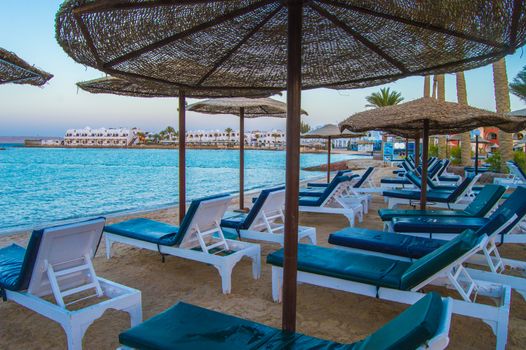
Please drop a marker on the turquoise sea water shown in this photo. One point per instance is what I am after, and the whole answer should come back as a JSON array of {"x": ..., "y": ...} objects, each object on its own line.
[{"x": 39, "y": 186}]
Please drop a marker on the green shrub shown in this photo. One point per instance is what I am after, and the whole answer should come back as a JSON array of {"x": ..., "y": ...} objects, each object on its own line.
[
  {"x": 455, "y": 155},
  {"x": 494, "y": 162},
  {"x": 433, "y": 150}
]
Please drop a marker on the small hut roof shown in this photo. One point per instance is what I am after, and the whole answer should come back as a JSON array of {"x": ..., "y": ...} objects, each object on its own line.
[
  {"x": 242, "y": 44},
  {"x": 332, "y": 131},
  {"x": 406, "y": 119},
  {"x": 254, "y": 107},
  {"x": 146, "y": 88},
  {"x": 15, "y": 70}
]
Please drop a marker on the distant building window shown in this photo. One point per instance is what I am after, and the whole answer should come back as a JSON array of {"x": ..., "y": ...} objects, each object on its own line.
[{"x": 492, "y": 136}]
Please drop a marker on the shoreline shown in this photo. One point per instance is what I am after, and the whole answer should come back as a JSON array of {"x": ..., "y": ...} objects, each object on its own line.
[{"x": 131, "y": 212}]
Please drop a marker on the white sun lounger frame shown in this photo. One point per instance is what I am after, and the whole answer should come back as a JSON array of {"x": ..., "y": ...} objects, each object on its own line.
[
  {"x": 460, "y": 203},
  {"x": 269, "y": 223},
  {"x": 453, "y": 276},
  {"x": 492, "y": 258},
  {"x": 335, "y": 203},
  {"x": 204, "y": 232},
  {"x": 514, "y": 178},
  {"x": 63, "y": 268}
]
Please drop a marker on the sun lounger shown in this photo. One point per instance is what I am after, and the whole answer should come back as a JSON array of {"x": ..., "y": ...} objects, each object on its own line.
[
  {"x": 444, "y": 227},
  {"x": 414, "y": 247},
  {"x": 516, "y": 176},
  {"x": 318, "y": 191},
  {"x": 443, "y": 199},
  {"x": 444, "y": 176},
  {"x": 199, "y": 238},
  {"x": 484, "y": 202},
  {"x": 397, "y": 280},
  {"x": 323, "y": 184},
  {"x": 265, "y": 220},
  {"x": 332, "y": 201},
  {"x": 424, "y": 325},
  {"x": 57, "y": 265}
]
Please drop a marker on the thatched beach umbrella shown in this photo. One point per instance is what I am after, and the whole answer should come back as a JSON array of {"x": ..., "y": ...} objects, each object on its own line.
[
  {"x": 288, "y": 45},
  {"x": 244, "y": 108},
  {"x": 146, "y": 88},
  {"x": 429, "y": 116},
  {"x": 330, "y": 132},
  {"x": 15, "y": 70}
]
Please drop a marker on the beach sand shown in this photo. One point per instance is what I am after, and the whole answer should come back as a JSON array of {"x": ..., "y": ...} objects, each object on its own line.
[{"x": 321, "y": 312}]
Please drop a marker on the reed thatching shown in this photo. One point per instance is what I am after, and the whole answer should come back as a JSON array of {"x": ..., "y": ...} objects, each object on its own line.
[
  {"x": 15, "y": 70},
  {"x": 406, "y": 119},
  {"x": 242, "y": 44},
  {"x": 332, "y": 131},
  {"x": 146, "y": 88},
  {"x": 253, "y": 107}
]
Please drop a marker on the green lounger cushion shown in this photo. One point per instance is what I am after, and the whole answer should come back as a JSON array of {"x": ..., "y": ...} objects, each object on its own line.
[
  {"x": 145, "y": 230},
  {"x": 423, "y": 268},
  {"x": 189, "y": 327},
  {"x": 479, "y": 207},
  {"x": 385, "y": 242},
  {"x": 185, "y": 326},
  {"x": 409, "y": 330},
  {"x": 395, "y": 180},
  {"x": 364, "y": 268},
  {"x": 439, "y": 224}
]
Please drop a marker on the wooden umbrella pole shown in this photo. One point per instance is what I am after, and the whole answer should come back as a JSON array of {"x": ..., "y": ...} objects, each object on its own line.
[
  {"x": 329, "y": 159},
  {"x": 242, "y": 158},
  {"x": 425, "y": 153},
  {"x": 417, "y": 151},
  {"x": 290, "y": 263},
  {"x": 182, "y": 155}
]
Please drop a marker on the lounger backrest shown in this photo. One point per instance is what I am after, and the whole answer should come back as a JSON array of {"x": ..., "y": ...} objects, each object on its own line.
[
  {"x": 333, "y": 185},
  {"x": 414, "y": 327},
  {"x": 485, "y": 200},
  {"x": 434, "y": 262},
  {"x": 445, "y": 164},
  {"x": 414, "y": 179},
  {"x": 434, "y": 169},
  {"x": 204, "y": 214},
  {"x": 343, "y": 172},
  {"x": 364, "y": 177},
  {"x": 270, "y": 203},
  {"x": 463, "y": 187},
  {"x": 515, "y": 205},
  {"x": 63, "y": 247}
]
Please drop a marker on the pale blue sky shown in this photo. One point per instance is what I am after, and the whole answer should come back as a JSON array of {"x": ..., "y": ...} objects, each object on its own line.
[{"x": 27, "y": 28}]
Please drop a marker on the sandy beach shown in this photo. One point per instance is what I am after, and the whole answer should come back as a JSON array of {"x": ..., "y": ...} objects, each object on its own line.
[{"x": 322, "y": 312}]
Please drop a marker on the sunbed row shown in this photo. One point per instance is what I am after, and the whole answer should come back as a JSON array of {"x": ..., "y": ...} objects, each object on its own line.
[{"x": 210, "y": 235}]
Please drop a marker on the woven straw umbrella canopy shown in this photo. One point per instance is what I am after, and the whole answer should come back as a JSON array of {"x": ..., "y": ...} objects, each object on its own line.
[
  {"x": 244, "y": 108},
  {"x": 291, "y": 44},
  {"x": 147, "y": 88},
  {"x": 15, "y": 70},
  {"x": 429, "y": 116},
  {"x": 330, "y": 132}
]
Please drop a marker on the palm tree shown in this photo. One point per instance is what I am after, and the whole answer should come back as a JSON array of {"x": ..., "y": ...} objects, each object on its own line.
[
  {"x": 465, "y": 138},
  {"x": 441, "y": 96},
  {"x": 502, "y": 99},
  {"x": 518, "y": 85},
  {"x": 304, "y": 127},
  {"x": 228, "y": 133},
  {"x": 385, "y": 97}
]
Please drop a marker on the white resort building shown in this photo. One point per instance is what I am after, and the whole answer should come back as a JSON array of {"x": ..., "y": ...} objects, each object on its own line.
[
  {"x": 120, "y": 137},
  {"x": 270, "y": 139}
]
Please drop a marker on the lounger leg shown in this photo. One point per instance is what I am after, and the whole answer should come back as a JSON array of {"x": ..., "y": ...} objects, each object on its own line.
[
  {"x": 350, "y": 217},
  {"x": 108, "y": 246},
  {"x": 277, "y": 281},
  {"x": 74, "y": 334},
  {"x": 135, "y": 313},
  {"x": 256, "y": 266},
  {"x": 312, "y": 236},
  {"x": 225, "y": 271}
]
